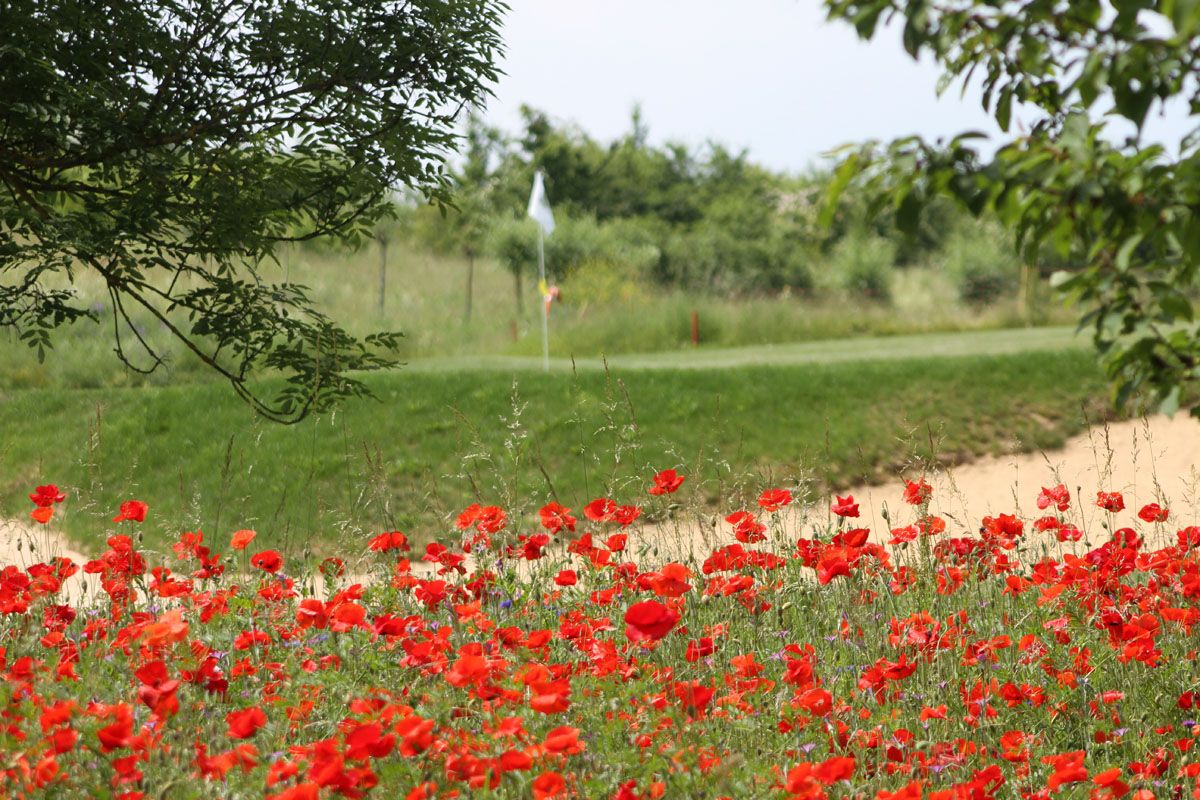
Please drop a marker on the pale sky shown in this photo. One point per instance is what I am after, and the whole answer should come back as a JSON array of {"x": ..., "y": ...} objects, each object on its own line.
[{"x": 771, "y": 76}]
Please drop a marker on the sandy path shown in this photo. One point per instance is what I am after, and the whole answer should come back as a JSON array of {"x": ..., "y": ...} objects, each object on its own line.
[
  {"x": 25, "y": 542},
  {"x": 1149, "y": 460}
]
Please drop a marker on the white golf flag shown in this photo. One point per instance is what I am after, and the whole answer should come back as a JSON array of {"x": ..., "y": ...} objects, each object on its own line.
[{"x": 539, "y": 206}]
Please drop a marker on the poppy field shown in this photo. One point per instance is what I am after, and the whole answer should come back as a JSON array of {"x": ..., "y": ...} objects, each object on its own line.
[{"x": 565, "y": 655}]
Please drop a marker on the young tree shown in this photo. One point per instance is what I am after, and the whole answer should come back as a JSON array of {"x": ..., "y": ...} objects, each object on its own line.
[
  {"x": 1122, "y": 210},
  {"x": 169, "y": 146}
]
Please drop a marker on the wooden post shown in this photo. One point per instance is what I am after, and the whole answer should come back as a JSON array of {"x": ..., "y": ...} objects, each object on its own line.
[
  {"x": 470, "y": 281},
  {"x": 695, "y": 329},
  {"x": 383, "y": 247}
]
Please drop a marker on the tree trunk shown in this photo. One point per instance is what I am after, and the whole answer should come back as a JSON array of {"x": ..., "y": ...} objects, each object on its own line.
[
  {"x": 1023, "y": 289},
  {"x": 520, "y": 293}
]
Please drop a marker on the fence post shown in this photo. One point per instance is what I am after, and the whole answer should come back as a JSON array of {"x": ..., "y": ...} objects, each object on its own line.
[{"x": 695, "y": 329}]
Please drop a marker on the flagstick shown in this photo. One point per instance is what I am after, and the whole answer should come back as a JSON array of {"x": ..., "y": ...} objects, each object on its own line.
[{"x": 545, "y": 310}]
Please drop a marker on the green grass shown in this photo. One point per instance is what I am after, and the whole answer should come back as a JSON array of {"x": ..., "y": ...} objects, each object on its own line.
[
  {"x": 425, "y": 298},
  {"x": 438, "y": 440}
]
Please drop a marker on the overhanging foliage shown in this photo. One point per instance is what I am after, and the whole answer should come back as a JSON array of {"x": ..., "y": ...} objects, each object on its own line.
[
  {"x": 1121, "y": 211},
  {"x": 169, "y": 147}
]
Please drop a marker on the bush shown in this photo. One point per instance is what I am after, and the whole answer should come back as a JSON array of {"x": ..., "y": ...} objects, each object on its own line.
[
  {"x": 983, "y": 265},
  {"x": 862, "y": 265},
  {"x": 711, "y": 258}
]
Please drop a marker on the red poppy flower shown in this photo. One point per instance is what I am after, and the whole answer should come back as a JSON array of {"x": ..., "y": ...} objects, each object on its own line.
[
  {"x": 666, "y": 482},
  {"x": 1068, "y": 768},
  {"x": 132, "y": 510},
  {"x": 1110, "y": 501},
  {"x": 774, "y": 499},
  {"x": 1068, "y": 533},
  {"x": 117, "y": 734},
  {"x": 267, "y": 560},
  {"x": 46, "y": 496},
  {"x": 625, "y": 515},
  {"x": 649, "y": 620},
  {"x": 932, "y": 712},
  {"x": 855, "y": 537},
  {"x": 746, "y": 528},
  {"x": 486, "y": 519},
  {"x": 42, "y": 514},
  {"x": 1058, "y": 497},
  {"x": 834, "y": 562},
  {"x": 670, "y": 581},
  {"x": 395, "y": 540},
  {"x": 241, "y": 539},
  {"x": 555, "y": 517},
  {"x": 600, "y": 510},
  {"x": 693, "y": 695},
  {"x": 917, "y": 492},
  {"x": 700, "y": 648},
  {"x": 549, "y": 785},
  {"x": 312, "y": 613},
  {"x": 416, "y": 735},
  {"x": 845, "y": 506},
  {"x": 245, "y": 723},
  {"x": 566, "y": 577},
  {"x": 563, "y": 739},
  {"x": 1044, "y": 524},
  {"x": 1153, "y": 512},
  {"x": 1189, "y": 537}
]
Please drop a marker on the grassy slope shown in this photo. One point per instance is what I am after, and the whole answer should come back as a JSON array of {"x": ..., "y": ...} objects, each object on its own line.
[{"x": 197, "y": 456}]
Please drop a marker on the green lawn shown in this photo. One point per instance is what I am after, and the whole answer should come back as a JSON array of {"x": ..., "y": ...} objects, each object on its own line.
[{"x": 439, "y": 439}]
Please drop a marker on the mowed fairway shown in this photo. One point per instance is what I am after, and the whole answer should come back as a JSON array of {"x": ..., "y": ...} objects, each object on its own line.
[{"x": 828, "y": 415}]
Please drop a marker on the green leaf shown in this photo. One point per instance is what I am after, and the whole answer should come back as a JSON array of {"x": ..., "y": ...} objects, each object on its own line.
[
  {"x": 1170, "y": 403},
  {"x": 866, "y": 20},
  {"x": 1126, "y": 251},
  {"x": 1061, "y": 279},
  {"x": 1184, "y": 15},
  {"x": 1175, "y": 306},
  {"x": 1089, "y": 78},
  {"x": 833, "y": 194},
  {"x": 1131, "y": 104},
  {"x": 908, "y": 214},
  {"x": 912, "y": 37},
  {"x": 1004, "y": 108}
]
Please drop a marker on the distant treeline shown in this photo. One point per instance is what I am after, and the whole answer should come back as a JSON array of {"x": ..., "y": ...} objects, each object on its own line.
[{"x": 703, "y": 218}]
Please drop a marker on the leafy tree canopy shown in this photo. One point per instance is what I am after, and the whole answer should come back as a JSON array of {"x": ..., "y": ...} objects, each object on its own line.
[
  {"x": 1121, "y": 210},
  {"x": 168, "y": 147}
]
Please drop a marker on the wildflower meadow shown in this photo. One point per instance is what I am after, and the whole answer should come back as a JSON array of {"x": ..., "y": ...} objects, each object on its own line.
[{"x": 573, "y": 655}]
